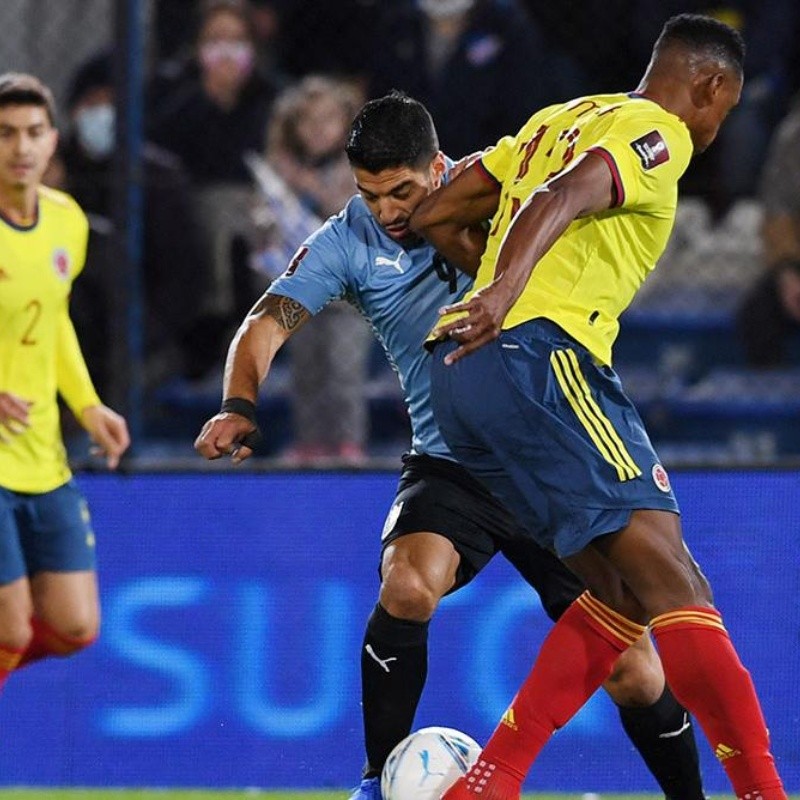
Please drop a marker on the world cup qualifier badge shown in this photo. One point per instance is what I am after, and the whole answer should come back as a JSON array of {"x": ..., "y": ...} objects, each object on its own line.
[
  {"x": 651, "y": 149},
  {"x": 660, "y": 478},
  {"x": 61, "y": 263}
]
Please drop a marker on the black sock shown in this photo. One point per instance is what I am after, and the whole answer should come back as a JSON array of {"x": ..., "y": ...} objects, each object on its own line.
[
  {"x": 671, "y": 756},
  {"x": 394, "y": 666}
]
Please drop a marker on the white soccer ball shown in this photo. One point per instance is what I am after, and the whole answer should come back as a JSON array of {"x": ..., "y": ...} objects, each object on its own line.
[{"x": 426, "y": 763}]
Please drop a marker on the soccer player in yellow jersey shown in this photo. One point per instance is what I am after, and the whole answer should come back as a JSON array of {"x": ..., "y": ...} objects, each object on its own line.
[
  {"x": 582, "y": 201},
  {"x": 48, "y": 590}
]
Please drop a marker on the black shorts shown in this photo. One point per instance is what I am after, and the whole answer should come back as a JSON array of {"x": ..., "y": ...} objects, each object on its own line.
[{"x": 439, "y": 496}]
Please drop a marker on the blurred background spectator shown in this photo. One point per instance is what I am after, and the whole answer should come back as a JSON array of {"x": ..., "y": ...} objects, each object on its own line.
[
  {"x": 725, "y": 298},
  {"x": 770, "y": 314},
  {"x": 480, "y": 66},
  {"x": 177, "y": 338},
  {"x": 174, "y": 42},
  {"x": 305, "y": 157},
  {"x": 211, "y": 115}
]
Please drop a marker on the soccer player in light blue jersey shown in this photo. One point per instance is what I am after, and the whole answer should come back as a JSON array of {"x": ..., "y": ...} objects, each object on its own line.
[{"x": 443, "y": 526}]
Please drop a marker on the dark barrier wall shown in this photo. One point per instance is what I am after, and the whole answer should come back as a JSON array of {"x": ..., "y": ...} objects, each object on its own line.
[{"x": 234, "y": 607}]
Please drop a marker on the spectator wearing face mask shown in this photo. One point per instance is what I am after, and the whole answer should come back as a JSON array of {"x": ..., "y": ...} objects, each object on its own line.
[
  {"x": 169, "y": 262},
  {"x": 209, "y": 120},
  {"x": 228, "y": 100}
]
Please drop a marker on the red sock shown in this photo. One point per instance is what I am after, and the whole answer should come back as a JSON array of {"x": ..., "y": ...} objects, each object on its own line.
[
  {"x": 576, "y": 657},
  {"x": 706, "y": 675},
  {"x": 9, "y": 660},
  {"x": 47, "y": 641}
]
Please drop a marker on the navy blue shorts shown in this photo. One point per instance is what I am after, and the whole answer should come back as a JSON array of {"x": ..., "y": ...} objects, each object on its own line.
[
  {"x": 49, "y": 532},
  {"x": 439, "y": 496},
  {"x": 551, "y": 433}
]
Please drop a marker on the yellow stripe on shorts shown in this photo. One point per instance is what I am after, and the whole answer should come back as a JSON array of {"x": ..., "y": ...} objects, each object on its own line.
[{"x": 575, "y": 388}]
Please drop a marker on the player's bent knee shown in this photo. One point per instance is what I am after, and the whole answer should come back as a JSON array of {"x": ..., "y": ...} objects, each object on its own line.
[
  {"x": 406, "y": 595},
  {"x": 637, "y": 678}
]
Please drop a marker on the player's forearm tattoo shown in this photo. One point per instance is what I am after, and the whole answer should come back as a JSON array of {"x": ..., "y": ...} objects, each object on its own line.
[{"x": 288, "y": 313}]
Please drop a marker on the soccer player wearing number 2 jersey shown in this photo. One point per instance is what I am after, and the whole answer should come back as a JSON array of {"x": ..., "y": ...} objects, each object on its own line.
[
  {"x": 583, "y": 199},
  {"x": 48, "y": 589}
]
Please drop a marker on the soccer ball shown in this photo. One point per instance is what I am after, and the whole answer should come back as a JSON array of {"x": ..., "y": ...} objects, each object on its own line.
[{"x": 426, "y": 763}]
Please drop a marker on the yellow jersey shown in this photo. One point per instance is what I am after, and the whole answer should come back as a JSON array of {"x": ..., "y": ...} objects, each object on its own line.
[
  {"x": 591, "y": 273},
  {"x": 39, "y": 352}
]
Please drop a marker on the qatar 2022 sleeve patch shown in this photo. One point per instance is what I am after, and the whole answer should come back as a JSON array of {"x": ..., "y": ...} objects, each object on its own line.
[{"x": 651, "y": 149}]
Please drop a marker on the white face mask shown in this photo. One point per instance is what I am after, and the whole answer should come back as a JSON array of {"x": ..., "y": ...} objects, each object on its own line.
[
  {"x": 95, "y": 128},
  {"x": 445, "y": 8}
]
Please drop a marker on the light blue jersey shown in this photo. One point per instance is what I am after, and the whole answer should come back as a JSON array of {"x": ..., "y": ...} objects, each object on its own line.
[{"x": 399, "y": 291}]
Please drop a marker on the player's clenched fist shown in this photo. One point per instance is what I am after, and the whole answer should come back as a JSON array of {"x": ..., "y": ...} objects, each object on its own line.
[{"x": 225, "y": 434}]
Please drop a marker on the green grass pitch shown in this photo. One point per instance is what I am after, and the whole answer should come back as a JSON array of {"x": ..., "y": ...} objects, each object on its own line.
[{"x": 251, "y": 794}]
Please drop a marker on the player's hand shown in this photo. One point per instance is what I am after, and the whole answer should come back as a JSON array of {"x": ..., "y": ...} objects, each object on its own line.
[
  {"x": 225, "y": 435},
  {"x": 13, "y": 415},
  {"x": 109, "y": 432},
  {"x": 482, "y": 323}
]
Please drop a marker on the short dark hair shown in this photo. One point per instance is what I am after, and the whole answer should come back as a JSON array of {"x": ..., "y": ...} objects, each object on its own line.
[
  {"x": 392, "y": 131},
  {"x": 706, "y": 35},
  {"x": 21, "y": 89}
]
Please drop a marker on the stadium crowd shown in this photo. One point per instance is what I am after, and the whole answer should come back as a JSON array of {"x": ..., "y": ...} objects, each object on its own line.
[{"x": 242, "y": 162}]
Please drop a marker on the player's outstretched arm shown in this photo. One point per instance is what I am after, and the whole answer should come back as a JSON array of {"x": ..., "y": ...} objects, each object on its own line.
[
  {"x": 452, "y": 218},
  {"x": 271, "y": 321}
]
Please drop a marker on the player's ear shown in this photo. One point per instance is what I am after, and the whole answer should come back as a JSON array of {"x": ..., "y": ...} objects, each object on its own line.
[
  {"x": 707, "y": 87},
  {"x": 438, "y": 167}
]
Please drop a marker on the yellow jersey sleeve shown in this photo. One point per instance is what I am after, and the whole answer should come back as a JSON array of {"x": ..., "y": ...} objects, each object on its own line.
[
  {"x": 81, "y": 245},
  {"x": 647, "y": 153},
  {"x": 74, "y": 382},
  {"x": 498, "y": 159}
]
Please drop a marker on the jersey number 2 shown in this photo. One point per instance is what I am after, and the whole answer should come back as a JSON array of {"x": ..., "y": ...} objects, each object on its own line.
[{"x": 35, "y": 307}]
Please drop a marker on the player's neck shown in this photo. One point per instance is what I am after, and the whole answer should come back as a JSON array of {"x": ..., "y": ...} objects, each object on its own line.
[
  {"x": 667, "y": 81},
  {"x": 19, "y": 206}
]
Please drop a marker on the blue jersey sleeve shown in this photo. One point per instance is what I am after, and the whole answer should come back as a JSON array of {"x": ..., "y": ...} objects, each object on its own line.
[{"x": 318, "y": 271}]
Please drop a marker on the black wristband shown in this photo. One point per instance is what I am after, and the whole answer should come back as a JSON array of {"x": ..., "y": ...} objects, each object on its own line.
[{"x": 238, "y": 405}]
